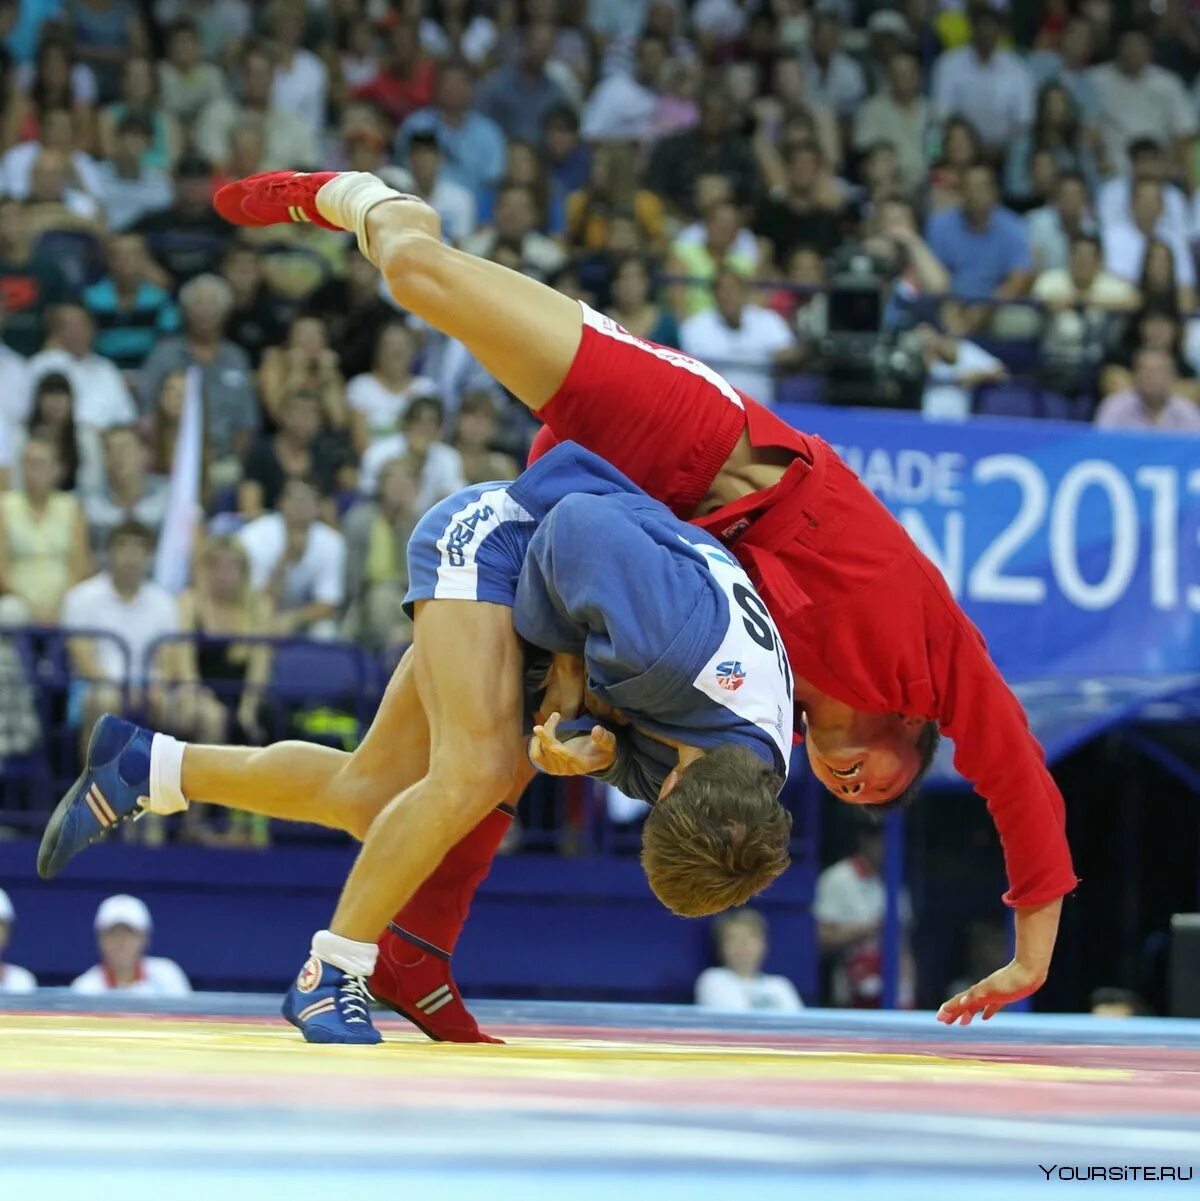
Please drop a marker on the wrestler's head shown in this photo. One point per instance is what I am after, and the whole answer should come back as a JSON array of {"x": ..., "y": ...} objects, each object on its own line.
[
  {"x": 718, "y": 833},
  {"x": 872, "y": 759}
]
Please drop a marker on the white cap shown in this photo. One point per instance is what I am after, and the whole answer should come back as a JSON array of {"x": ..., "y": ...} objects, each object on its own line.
[
  {"x": 7, "y": 912},
  {"x": 123, "y": 910}
]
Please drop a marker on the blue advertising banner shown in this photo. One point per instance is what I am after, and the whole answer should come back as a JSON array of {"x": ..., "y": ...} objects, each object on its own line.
[{"x": 1075, "y": 551}]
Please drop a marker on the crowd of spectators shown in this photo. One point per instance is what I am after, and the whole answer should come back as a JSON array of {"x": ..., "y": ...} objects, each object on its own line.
[{"x": 700, "y": 171}]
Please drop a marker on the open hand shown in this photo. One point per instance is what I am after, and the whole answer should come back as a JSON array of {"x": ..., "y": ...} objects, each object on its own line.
[
  {"x": 580, "y": 755},
  {"x": 1012, "y": 982}
]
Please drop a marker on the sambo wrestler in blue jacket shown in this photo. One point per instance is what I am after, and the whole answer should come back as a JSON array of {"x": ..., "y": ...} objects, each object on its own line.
[{"x": 643, "y": 616}]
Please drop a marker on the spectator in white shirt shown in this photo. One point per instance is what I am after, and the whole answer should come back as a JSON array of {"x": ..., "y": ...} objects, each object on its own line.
[
  {"x": 1139, "y": 100},
  {"x": 1052, "y": 227},
  {"x": 123, "y": 928},
  {"x": 454, "y": 203},
  {"x": 624, "y": 106},
  {"x": 128, "y": 187},
  {"x": 1114, "y": 197},
  {"x": 56, "y": 132},
  {"x": 301, "y": 83},
  {"x": 438, "y": 467},
  {"x": 988, "y": 86},
  {"x": 379, "y": 398},
  {"x": 16, "y": 396},
  {"x": 849, "y": 907},
  {"x": 832, "y": 77},
  {"x": 134, "y": 613},
  {"x": 299, "y": 561},
  {"x": 745, "y": 342},
  {"x": 102, "y": 398},
  {"x": 740, "y": 983},
  {"x": 1125, "y": 243},
  {"x": 953, "y": 365},
  {"x": 13, "y": 979}
]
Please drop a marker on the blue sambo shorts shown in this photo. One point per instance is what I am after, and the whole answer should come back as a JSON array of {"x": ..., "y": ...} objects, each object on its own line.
[{"x": 469, "y": 547}]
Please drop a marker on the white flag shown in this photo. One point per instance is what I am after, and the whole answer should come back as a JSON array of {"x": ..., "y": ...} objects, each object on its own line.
[{"x": 172, "y": 565}]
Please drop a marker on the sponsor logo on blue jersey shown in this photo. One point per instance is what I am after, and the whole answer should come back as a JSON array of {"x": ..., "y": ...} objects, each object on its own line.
[
  {"x": 463, "y": 534},
  {"x": 731, "y": 675}
]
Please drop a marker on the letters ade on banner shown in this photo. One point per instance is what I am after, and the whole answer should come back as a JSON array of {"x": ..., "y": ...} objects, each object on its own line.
[{"x": 1075, "y": 551}]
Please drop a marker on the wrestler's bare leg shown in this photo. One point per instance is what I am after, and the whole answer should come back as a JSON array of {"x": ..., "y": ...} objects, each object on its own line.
[
  {"x": 298, "y": 781},
  {"x": 467, "y": 665},
  {"x": 525, "y": 333}
]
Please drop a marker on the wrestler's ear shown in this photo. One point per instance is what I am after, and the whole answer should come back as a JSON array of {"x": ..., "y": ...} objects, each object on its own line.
[{"x": 668, "y": 785}]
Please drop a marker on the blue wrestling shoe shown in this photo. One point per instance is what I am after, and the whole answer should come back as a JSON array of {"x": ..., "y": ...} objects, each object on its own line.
[
  {"x": 111, "y": 791},
  {"x": 328, "y": 1005}
]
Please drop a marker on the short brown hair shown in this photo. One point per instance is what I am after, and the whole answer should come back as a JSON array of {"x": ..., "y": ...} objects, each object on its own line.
[{"x": 719, "y": 836}]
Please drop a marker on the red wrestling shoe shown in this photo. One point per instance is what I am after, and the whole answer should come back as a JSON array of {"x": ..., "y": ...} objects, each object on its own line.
[
  {"x": 416, "y": 982},
  {"x": 274, "y": 198},
  {"x": 412, "y": 974}
]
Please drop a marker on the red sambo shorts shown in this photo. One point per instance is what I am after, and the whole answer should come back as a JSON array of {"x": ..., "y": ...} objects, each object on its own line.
[{"x": 666, "y": 420}]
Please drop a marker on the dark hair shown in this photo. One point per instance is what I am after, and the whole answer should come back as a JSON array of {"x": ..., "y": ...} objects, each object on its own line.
[
  {"x": 420, "y": 406},
  {"x": 928, "y": 741},
  {"x": 719, "y": 836},
  {"x": 971, "y": 132},
  {"x": 64, "y": 439},
  {"x": 426, "y": 139},
  {"x": 1141, "y": 147},
  {"x": 136, "y": 123},
  {"x": 562, "y": 114},
  {"x": 1088, "y": 239},
  {"x": 1170, "y": 300},
  {"x": 38, "y": 92},
  {"x": 1071, "y": 129},
  {"x": 193, "y": 166},
  {"x": 130, "y": 529}
]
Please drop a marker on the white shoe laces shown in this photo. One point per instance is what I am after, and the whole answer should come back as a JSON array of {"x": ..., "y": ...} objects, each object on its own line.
[{"x": 353, "y": 999}]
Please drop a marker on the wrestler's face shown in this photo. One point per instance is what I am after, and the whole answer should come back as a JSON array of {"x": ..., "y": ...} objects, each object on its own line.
[{"x": 871, "y": 760}]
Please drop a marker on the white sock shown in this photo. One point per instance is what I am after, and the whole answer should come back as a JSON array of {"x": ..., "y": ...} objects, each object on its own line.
[
  {"x": 347, "y": 199},
  {"x": 357, "y": 958},
  {"x": 166, "y": 775}
]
